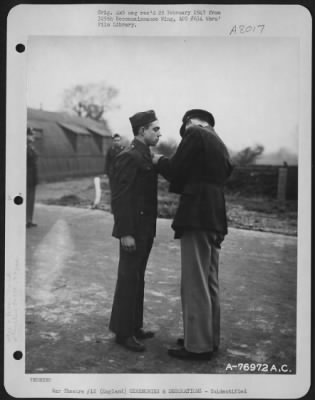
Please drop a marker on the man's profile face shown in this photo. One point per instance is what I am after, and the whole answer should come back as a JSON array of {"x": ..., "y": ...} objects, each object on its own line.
[{"x": 151, "y": 133}]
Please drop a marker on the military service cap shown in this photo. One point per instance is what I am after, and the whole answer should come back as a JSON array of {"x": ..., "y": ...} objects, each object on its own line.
[{"x": 197, "y": 113}]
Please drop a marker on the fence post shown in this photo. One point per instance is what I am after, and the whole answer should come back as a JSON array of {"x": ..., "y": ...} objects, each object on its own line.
[
  {"x": 98, "y": 192},
  {"x": 282, "y": 183}
]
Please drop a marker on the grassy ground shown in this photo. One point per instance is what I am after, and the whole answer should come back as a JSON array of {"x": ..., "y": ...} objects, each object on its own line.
[{"x": 260, "y": 214}]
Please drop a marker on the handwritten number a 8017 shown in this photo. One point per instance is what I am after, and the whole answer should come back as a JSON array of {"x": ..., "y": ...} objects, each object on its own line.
[{"x": 243, "y": 29}]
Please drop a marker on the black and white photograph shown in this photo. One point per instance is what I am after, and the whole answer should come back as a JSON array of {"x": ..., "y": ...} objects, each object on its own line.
[{"x": 163, "y": 157}]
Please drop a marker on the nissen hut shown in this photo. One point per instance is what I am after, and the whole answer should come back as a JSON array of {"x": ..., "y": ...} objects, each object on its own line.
[{"x": 68, "y": 146}]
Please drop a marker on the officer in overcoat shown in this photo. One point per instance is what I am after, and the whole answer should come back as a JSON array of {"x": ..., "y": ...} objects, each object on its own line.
[
  {"x": 134, "y": 206},
  {"x": 198, "y": 171},
  {"x": 31, "y": 178}
]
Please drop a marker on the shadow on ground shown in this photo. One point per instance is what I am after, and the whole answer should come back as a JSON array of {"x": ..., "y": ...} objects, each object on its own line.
[{"x": 71, "y": 275}]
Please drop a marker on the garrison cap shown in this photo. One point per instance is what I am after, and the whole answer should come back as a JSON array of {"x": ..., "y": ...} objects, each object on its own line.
[
  {"x": 197, "y": 113},
  {"x": 142, "y": 119}
]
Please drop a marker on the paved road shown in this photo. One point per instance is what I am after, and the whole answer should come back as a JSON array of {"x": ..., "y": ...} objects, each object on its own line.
[{"x": 71, "y": 274}]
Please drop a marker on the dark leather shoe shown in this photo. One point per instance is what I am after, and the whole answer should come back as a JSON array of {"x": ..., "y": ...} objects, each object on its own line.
[
  {"x": 180, "y": 342},
  {"x": 141, "y": 334},
  {"x": 130, "y": 343},
  {"x": 184, "y": 354}
]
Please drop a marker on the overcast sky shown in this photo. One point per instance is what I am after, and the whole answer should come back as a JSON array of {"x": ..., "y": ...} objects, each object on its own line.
[{"x": 249, "y": 84}]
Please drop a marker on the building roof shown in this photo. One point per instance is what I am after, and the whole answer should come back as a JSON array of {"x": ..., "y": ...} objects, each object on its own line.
[
  {"x": 85, "y": 126},
  {"x": 74, "y": 128}
]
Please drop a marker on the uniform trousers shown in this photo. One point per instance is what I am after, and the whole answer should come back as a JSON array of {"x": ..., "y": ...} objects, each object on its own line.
[
  {"x": 127, "y": 311},
  {"x": 30, "y": 201},
  {"x": 200, "y": 291}
]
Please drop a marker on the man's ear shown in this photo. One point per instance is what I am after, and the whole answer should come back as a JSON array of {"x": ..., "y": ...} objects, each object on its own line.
[{"x": 141, "y": 130}]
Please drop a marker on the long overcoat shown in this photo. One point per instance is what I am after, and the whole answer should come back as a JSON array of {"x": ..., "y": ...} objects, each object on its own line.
[
  {"x": 32, "y": 169},
  {"x": 198, "y": 171}
]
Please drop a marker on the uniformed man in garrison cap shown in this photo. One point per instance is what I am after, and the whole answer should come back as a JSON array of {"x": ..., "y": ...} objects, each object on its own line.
[
  {"x": 111, "y": 154},
  {"x": 198, "y": 171},
  {"x": 134, "y": 206}
]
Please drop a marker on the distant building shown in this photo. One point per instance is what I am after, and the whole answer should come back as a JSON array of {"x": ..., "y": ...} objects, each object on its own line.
[{"x": 68, "y": 146}]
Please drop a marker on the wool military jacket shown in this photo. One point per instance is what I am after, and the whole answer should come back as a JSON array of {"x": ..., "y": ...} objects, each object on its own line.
[
  {"x": 134, "y": 192},
  {"x": 198, "y": 171}
]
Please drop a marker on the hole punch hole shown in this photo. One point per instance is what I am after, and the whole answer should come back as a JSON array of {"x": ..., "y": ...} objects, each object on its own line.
[
  {"x": 20, "y": 48},
  {"x": 17, "y": 355},
  {"x": 18, "y": 200}
]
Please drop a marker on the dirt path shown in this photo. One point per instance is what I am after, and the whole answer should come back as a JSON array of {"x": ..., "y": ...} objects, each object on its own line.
[{"x": 71, "y": 274}]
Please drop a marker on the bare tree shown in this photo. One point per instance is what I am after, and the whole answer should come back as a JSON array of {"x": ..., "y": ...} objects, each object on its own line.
[
  {"x": 92, "y": 100},
  {"x": 248, "y": 155}
]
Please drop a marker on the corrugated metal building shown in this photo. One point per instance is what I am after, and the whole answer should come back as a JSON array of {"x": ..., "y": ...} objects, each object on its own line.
[{"x": 68, "y": 146}]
